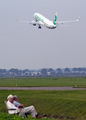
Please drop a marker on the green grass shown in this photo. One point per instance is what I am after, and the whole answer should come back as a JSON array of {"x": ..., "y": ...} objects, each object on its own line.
[
  {"x": 57, "y": 104},
  {"x": 5, "y": 116},
  {"x": 34, "y": 82}
]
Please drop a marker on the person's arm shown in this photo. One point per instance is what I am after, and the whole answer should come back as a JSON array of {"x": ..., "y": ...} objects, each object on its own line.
[
  {"x": 17, "y": 104},
  {"x": 21, "y": 106}
]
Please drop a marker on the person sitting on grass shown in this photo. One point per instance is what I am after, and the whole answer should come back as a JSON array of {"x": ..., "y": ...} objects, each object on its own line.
[{"x": 24, "y": 110}]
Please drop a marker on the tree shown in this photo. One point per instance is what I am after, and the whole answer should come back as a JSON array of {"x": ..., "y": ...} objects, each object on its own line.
[
  {"x": 67, "y": 70},
  {"x": 26, "y": 70},
  {"x": 14, "y": 71},
  {"x": 79, "y": 69},
  {"x": 50, "y": 70},
  {"x": 4, "y": 71},
  {"x": 84, "y": 69},
  {"x": 75, "y": 69},
  {"x": 44, "y": 71},
  {"x": 19, "y": 72},
  {"x": 1, "y": 71},
  {"x": 59, "y": 70}
]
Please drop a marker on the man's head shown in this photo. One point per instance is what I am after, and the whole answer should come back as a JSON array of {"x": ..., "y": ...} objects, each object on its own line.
[
  {"x": 15, "y": 97},
  {"x": 10, "y": 98}
]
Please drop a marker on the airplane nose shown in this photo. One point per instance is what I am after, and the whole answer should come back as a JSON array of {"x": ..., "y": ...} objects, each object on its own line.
[{"x": 34, "y": 15}]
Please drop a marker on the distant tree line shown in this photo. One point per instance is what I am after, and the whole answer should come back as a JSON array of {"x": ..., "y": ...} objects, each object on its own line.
[{"x": 43, "y": 72}]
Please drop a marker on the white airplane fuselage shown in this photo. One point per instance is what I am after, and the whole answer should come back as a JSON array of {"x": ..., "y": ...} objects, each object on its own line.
[
  {"x": 44, "y": 21},
  {"x": 40, "y": 20}
]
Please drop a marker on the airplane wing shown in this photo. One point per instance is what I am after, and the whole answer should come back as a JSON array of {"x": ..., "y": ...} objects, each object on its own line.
[
  {"x": 30, "y": 22},
  {"x": 62, "y": 22}
]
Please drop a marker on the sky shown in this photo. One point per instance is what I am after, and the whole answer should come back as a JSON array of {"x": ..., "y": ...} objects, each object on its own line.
[{"x": 24, "y": 46}]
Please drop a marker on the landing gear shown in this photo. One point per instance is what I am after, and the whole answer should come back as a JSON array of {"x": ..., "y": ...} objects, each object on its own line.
[{"x": 39, "y": 27}]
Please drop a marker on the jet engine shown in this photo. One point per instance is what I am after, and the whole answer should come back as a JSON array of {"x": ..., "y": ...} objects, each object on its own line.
[{"x": 34, "y": 24}]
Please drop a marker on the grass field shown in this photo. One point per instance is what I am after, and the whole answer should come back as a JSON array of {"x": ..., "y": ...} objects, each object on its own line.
[
  {"x": 58, "y": 104},
  {"x": 34, "y": 82},
  {"x": 5, "y": 116}
]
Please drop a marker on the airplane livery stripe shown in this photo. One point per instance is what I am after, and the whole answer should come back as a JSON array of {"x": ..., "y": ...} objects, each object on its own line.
[{"x": 39, "y": 18}]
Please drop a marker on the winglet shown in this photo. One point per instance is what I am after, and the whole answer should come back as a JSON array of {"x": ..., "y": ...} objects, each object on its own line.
[
  {"x": 17, "y": 19},
  {"x": 78, "y": 19}
]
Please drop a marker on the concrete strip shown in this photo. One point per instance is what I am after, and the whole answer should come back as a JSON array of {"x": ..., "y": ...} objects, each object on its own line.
[{"x": 41, "y": 88}]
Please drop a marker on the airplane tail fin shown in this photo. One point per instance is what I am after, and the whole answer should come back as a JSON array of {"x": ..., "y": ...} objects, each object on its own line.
[{"x": 55, "y": 19}]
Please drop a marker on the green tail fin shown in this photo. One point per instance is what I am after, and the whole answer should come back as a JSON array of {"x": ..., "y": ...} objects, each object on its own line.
[{"x": 55, "y": 18}]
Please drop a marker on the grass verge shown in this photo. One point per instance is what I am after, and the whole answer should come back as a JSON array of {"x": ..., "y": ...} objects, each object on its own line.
[
  {"x": 42, "y": 82},
  {"x": 53, "y": 104}
]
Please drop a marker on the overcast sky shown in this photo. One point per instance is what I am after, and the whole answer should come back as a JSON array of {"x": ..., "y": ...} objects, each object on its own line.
[{"x": 25, "y": 46}]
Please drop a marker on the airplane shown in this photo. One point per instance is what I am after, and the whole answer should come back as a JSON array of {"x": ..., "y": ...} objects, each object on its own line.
[{"x": 40, "y": 20}]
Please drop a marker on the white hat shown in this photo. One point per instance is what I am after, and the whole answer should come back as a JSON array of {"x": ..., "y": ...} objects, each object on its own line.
[{"x": 10, "y": 96}]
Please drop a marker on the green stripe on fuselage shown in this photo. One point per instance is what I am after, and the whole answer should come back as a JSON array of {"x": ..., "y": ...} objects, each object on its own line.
[{"x": 39, "y": 18}]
